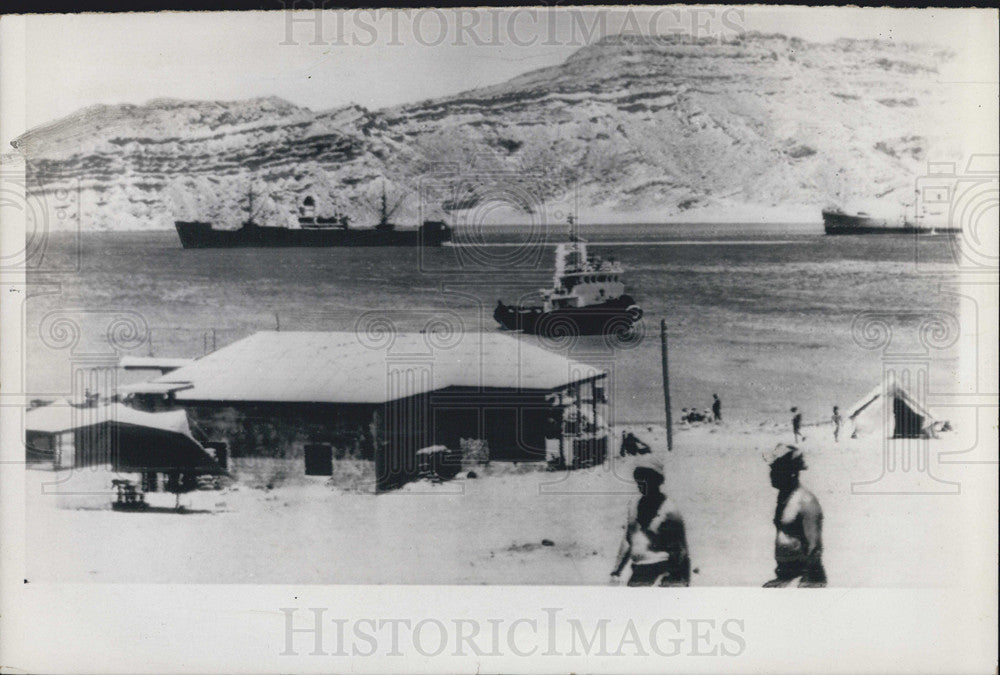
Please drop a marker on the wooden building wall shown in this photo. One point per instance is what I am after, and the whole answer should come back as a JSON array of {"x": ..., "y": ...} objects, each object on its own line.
[
  {"x": 281, "y": 430},
  {"x": 513, "y": 424}
]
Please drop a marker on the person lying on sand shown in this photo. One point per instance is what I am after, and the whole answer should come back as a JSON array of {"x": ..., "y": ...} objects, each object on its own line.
[
  {"x": 798, "y": 521},
  {"x": 655, "y": 540}
]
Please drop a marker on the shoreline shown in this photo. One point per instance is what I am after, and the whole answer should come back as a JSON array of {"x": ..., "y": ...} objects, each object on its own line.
[
  {"x": 716, "y": 476},
  {"x": 799, "y": 224}
]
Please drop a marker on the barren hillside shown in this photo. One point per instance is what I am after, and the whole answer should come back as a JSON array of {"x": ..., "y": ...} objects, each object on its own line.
[{"x": 658, "y": 129}]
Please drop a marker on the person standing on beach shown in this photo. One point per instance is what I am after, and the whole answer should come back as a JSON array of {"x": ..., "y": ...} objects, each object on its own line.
[
  {"x": 797, "y": 425},
  {"x": 716, "y": 408},
  {"x": 798, "y": 521},
  {"x": 837, "y": 421},
  {"x": 654, "y": 541}
]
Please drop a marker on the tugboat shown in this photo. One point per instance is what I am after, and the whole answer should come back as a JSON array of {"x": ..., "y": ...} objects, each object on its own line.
[
  {"x": 312, "y": 231},
  {"x": 587, "y": 298}
]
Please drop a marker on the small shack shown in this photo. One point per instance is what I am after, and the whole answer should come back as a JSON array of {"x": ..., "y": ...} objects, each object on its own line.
[
  {"x": 384, "y": 397},
  {"x": 890, "y": 410},
  {"x": 117, "y": 437}
]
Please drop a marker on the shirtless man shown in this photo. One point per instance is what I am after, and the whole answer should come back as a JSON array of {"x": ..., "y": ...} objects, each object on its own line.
[
  {"x": 654, "y": 540},
  {"x": 797, "y": 425},
  {"x": 798, "y": 519}
]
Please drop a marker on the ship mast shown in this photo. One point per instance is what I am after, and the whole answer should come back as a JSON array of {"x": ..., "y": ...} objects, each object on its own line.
[
  {"x": 251, "y": 212},
  {"x": 572, "y": 254},
  {"x": 577, "y": 246},
  {"x": 384, "y": 220},
  {"x": 386, "y": 210}
]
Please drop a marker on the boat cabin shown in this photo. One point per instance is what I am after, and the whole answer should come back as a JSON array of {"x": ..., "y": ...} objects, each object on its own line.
[{"x": 581, "y": 280}]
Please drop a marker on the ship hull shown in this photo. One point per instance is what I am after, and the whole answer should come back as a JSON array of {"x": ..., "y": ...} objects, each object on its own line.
[
  {"x": 203, "y": 235},
  {"x": 609, "y": 318},
  {"x": 844, "y": 223}
]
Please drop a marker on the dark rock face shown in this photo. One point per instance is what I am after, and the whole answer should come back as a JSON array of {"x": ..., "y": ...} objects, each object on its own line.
[{"x": 626, "y": 124}]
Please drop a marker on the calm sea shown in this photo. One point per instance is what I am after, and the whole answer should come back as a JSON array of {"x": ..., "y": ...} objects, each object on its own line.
[{"x": 761, "y": 315}]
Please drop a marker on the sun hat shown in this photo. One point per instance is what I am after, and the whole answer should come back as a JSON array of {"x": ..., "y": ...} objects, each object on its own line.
[{"x": 785, "y": 453}]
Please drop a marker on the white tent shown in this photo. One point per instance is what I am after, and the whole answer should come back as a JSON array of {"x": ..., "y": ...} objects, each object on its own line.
[{"x": 890, "y": 410}]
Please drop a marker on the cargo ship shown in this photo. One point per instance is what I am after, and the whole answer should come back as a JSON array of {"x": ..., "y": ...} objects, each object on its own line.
[
  {"x": 836, "y": 221},
  {"x": 587, "y": 298},
  {"x": 312, "y": 231}
]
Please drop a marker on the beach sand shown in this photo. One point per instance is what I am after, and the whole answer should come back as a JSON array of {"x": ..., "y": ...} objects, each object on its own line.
[{"x": 490, "y": 530}]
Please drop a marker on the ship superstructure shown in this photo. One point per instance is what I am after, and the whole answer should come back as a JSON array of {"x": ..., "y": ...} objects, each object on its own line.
[{"x": 587, "y": 297}]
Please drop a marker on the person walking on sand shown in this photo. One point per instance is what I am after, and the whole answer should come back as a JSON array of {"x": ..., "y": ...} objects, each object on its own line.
[
  {"x": 798, "y": 522},
  {"x": 837, "y": 421},
  {"x": 797, "y": 425},
  {"x": 654, "y": 541},
  {"x": 716, "y": 408}
]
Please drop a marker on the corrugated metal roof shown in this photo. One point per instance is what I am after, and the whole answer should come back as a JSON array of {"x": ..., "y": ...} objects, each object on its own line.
[{"x": 350, "y": 367}]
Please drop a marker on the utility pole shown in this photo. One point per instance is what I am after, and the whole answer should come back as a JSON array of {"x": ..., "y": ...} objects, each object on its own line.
[{"x": 666, "y": 384}]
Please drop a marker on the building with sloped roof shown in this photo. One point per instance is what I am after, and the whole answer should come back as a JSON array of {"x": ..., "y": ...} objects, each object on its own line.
[
  {"x": 383, "y": 396},
  {"x": 114, "y": 436}
]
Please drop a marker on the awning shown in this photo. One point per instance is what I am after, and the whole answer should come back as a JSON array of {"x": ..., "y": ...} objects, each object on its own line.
[{"x": 152, "y": 363}]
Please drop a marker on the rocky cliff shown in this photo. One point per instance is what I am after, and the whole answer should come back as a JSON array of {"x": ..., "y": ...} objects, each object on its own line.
[{"x": 627, "y": 128}]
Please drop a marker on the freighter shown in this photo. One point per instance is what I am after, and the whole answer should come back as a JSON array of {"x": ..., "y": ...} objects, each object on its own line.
[
  {"x": 312, "y": 231},
  {"x": 587, "y": 298},
  {"x": 836, "y": 221}
]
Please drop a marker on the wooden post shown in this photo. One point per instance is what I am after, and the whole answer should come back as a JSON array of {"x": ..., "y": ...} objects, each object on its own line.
[{"x": 666, "y": 385}]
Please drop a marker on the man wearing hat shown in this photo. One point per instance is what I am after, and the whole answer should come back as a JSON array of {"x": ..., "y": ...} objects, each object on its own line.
[
  {"x": 654, "y": 540},
  {"x": 798, "y": 519}
]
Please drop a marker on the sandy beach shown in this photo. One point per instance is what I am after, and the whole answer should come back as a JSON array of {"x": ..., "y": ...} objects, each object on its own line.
[{"x": 490, "y": 530}]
